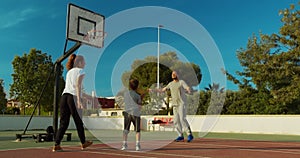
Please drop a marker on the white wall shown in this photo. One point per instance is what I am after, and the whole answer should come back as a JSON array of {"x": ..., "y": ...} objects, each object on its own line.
[
  {"x": 16, "y": 122},
  {"x": 266, "y": 124}
]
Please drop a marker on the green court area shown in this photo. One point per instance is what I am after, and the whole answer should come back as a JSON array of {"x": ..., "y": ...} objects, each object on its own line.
[
  {"x": 8, "y": 139},
  {"x": 255, "y": 137}
]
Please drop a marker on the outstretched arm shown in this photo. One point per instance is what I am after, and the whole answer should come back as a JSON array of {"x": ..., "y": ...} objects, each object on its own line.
[
  {"x": 158, "y": 90},
  {"x": 186, "y": 87},
  {"x": 164, "y": 89}
]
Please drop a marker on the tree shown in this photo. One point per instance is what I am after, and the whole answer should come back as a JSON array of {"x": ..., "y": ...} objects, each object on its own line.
[
  {"x": 214, "y": 87},
  {"x": 146, "y": 70},
  {"x": 3, "y": 100},
  {"x": 216, "y": 98},
  {"x": 203, "y": 103},
  {"x": 31, "y": 72},
  {"x": 271, "y": 68}
]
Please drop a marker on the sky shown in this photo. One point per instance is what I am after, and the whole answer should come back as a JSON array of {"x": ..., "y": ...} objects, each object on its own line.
[{"x": 207, "y": 33}]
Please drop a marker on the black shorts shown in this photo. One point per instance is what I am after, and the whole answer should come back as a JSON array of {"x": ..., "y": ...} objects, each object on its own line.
[{"x": 136, "y": 120}]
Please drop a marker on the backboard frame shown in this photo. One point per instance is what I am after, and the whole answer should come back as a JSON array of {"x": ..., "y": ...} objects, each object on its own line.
[{"x": 81, "y": 21}]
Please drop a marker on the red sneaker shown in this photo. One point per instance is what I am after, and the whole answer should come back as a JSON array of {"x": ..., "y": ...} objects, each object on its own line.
[
  {"x": 57, "y": 148},
  {"x": 86, "y": 144}
]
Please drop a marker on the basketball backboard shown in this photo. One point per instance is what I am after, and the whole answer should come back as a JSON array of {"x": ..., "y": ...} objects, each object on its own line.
[{"x": 85, "y": 26}]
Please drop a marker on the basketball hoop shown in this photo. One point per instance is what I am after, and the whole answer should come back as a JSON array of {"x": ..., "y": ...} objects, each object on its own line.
[
  {"x": 94, "y": 35},
  {"x": 85, "y": 26}
]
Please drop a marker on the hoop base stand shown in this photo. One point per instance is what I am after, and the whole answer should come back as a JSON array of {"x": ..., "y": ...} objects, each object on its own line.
[{"x": 19, "y": 137}]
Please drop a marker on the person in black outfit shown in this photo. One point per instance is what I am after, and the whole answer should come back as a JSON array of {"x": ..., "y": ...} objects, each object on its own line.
[{"x": 70, "y": 103}]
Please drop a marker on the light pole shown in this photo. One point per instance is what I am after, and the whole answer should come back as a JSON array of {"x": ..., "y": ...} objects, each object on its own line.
[
  {"x": 93, "y": 99},
  {"x": 158, "y": 38}
]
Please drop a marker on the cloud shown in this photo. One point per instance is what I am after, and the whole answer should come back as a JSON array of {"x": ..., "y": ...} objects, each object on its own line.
[{"x": 15, "y": 17}]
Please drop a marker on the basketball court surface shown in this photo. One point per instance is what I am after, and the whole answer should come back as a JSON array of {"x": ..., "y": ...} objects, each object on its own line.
[{"x": 199, "y": 148}]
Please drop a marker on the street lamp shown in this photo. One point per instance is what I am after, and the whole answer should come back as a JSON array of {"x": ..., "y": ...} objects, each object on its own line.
[{"x": 158, "y": 27}]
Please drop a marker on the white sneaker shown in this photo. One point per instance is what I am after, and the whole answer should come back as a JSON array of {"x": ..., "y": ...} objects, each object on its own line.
[
  {"x": 137, "y": 147},
  {"x": 124, "y": 147}
]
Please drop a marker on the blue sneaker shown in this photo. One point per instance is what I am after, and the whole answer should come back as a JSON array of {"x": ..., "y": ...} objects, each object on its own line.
[
  {"x": 190, "y": 138},
  {"x": 179, "y": 139}
]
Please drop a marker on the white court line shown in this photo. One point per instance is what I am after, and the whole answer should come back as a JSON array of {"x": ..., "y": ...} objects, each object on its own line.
[
  {"x": 286, "y": 144},
  {"x": 43, "y": 147},
  {"x": 177, "y": 155},
  {"x": 274, "y": 151},
  {"x": 141, "y": 152},
  {"x": 112, "y": 152},
  {"x": 116, "y": 154},
  {"x": 255, "y": 148},
  {"x": 25, "y": 148},
  {"x": 250, "y": 140}
]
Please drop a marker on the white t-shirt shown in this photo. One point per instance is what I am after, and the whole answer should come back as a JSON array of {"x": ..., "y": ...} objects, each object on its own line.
[{"x": 71, "y": 80}]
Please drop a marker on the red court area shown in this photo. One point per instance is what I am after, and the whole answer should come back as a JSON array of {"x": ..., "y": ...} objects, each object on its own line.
[{"x": 199, "y": 148}]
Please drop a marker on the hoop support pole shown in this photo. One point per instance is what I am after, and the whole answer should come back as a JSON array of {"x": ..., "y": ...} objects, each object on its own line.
[{"x": 56, "y": 86}]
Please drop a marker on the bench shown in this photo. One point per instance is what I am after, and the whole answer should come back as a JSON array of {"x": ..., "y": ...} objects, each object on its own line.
[{"x": 162, "y": 123}]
